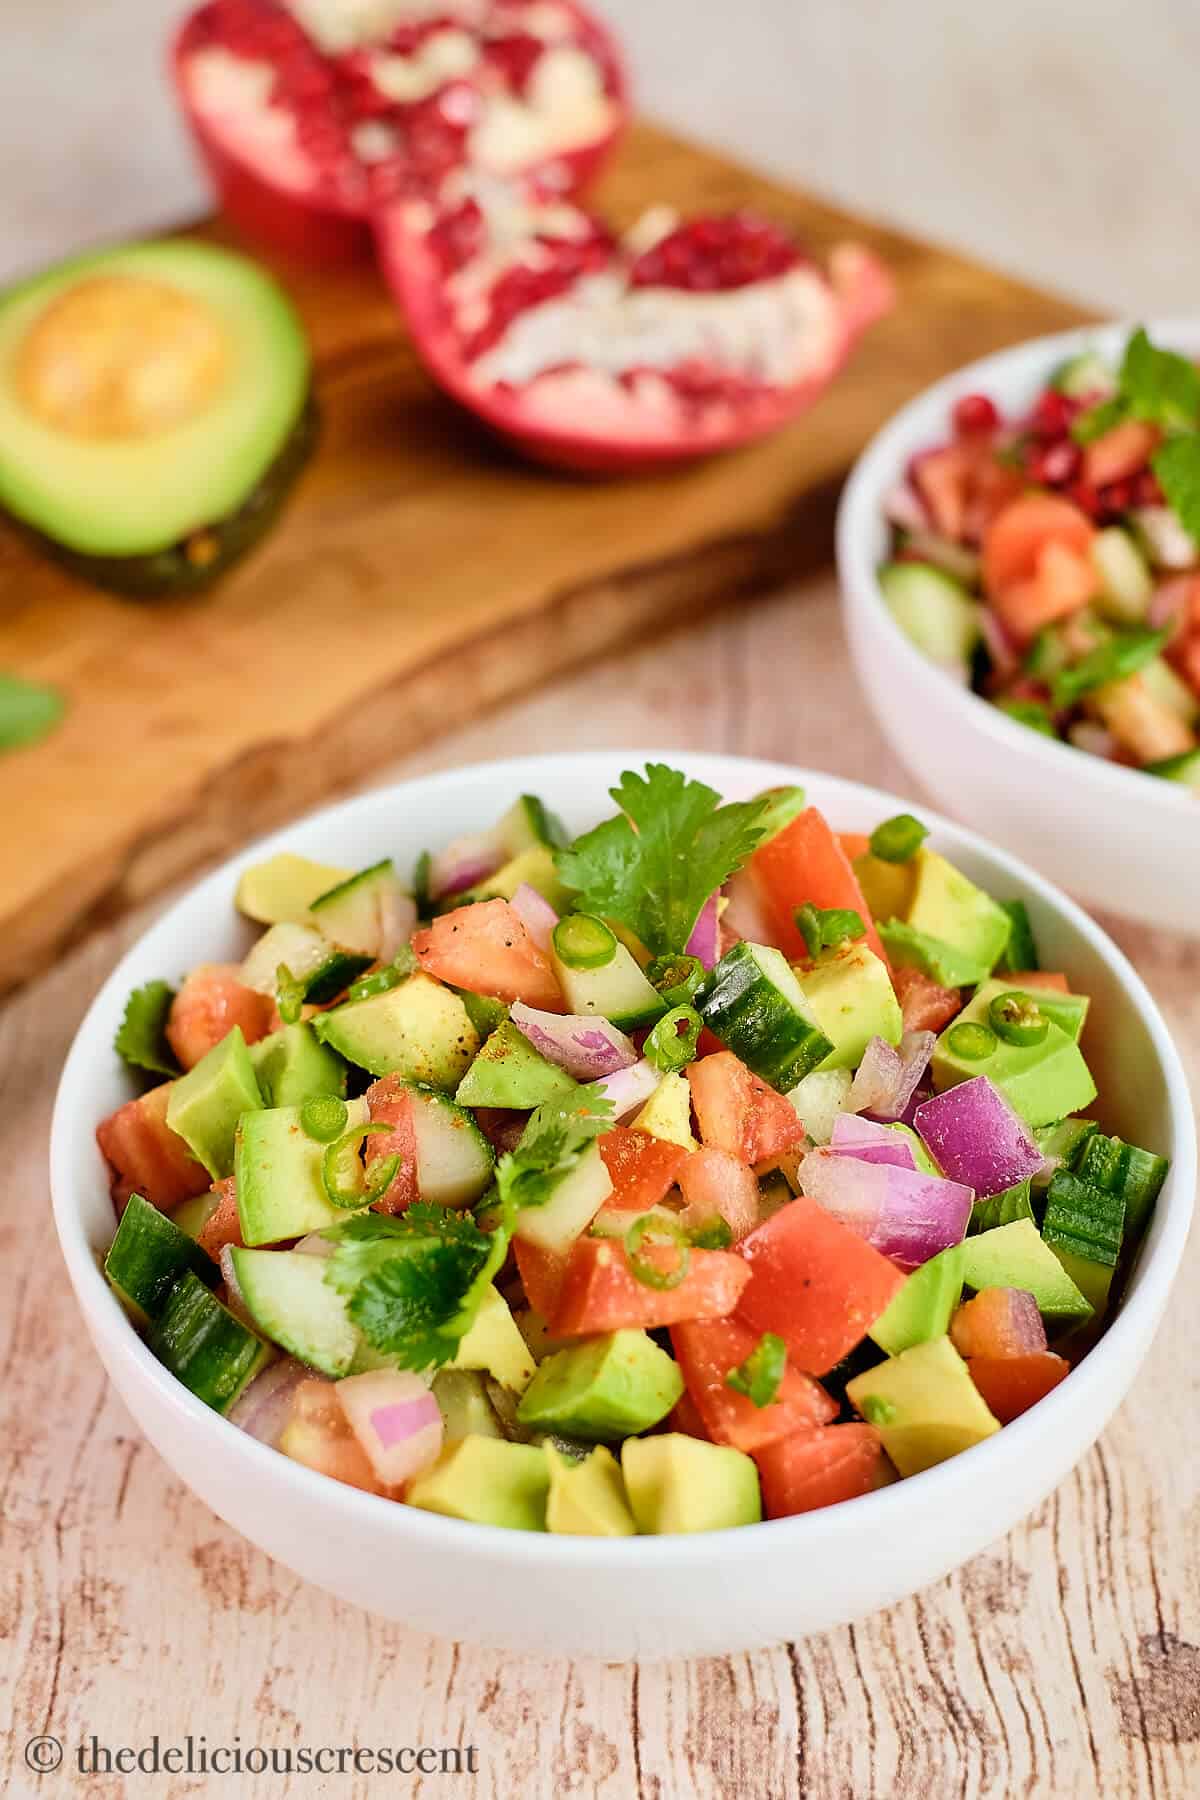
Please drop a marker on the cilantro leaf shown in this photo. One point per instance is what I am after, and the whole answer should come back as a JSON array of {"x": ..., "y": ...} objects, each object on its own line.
[
  {"x": 1098, "y": 419},
  {"x": 142, "y": 1034},
  {"x": 27, "y": 711},
  {"x": 1121, "y": 656},
  {"x": 1177, "y": 465},
  {"x": 654, "y": 865},
  {"x": 550, "y": 1149},
  {"x": 1157, "y": 386},
  {"x": 758, "y": 1378},
  {"x": 411, "y": 1280}
]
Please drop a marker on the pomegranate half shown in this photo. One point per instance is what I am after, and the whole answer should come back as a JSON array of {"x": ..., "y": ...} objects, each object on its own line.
[
  {"x": 308, "y": 111},
  {"x": 607, "y": 355}
]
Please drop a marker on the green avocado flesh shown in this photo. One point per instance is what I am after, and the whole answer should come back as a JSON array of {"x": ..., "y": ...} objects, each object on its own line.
[{"x": 169, "y": 510}]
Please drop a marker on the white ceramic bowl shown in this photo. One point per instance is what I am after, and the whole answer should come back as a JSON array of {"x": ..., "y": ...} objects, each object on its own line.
[
  {"x": 1119, "y": 839},
  {"x": 651, "y": 1597}
]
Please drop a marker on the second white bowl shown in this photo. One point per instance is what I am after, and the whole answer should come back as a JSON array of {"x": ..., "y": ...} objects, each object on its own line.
[{"x": 1121, "y": 840}]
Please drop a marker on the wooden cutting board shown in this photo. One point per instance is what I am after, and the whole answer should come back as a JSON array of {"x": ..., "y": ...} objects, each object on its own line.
[{"x": 419, "y": 576}]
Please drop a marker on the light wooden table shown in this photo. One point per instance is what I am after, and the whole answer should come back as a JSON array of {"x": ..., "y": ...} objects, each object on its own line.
[{"x": 1063, "y": 1662}]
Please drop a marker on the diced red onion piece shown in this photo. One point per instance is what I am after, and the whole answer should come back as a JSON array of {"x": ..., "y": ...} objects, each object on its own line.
[
  {"x": 916, "y": 1048},
  {"x": 397, "y": 922},
  {"x": 1169, "y": 601},
  {"x": 1006, "y": 659},
  {"x": 234, "y": 1299},
  {"x": 973, "y": 1133},
  {"x": 714, "y": 1183},
  {"x": 705, "y": 941},
  {"x": 870, "y": 1142},
  {"x": 315, "y": 1245},
  {"x": 903, "y": 506},
  {"x": 960, "y": 563},
  {"x": 462, "y": 864},
  {"x": 877, "y": 1080},
  {"x": 535, "y": 913},
  {"x": 907, "y": 1216},
  {"x": 1094, "y": 738},
  {"x": 587, "y": 1047},
  {"x": 630, "y": 1088},
  {"x": 262, "y": 1411},
  {"x": 745, "y": 913},
  {"x": 396, "y": 1420}
]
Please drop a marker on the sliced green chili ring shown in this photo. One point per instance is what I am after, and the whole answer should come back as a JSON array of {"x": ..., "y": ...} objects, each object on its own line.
[
  {"x": 651, "y": 1225},
  {"x": 827, "y": 927},
  {"x": 974, "y": 1043},
  {"x": 898, "y": 840},
  {"x": 289, "y": 995},
  {"x": 1017, "y": 1019},
  {"x": 379, "y": 981},
  {"x": 676, "y": 978},
  {"x": 344, "y": 1177},
  {"x": 324, "y": 1118},
  {"x": 673, "y": 1041},
  {"x": 584, "y": 942}
]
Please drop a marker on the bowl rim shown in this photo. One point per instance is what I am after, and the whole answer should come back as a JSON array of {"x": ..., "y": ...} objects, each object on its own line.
[
  {"x": 877, "y": 1511},
  {"x": 860, "y": 515}
]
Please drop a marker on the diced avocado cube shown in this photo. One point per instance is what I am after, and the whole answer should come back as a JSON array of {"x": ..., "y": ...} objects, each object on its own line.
[
  {"x": 947, "y": 906},
  {"x": 1014, "y": 1256},
  {"x": 466, "y": 1409},
  {"x": 923, "y": 1404},
  {"x": 1093, "y": 1279},
  {"x": 667, "y": 1114},
  {"x": 281, "y": 890},
  {"x": 677, "y": 1483},
  {"x": 1068, "y": 1011},
  {"x": 887, "y": 887},
  {"x": 854, "y": 1000},
  {"x": 908, "y": 948},
  {"x": 533, "y": 867},
  {"x": 293, "y": 1066},
  {"x": 924, "y": 1306},
  {"x": 494, "y": 1344},
  {"x": 486, "y": 1481},
  {"x": 148, "y": 1255},
  {"x": 587, "y": 1498},
  {"x": 193, "y": 1215},
  {"x": 206, "y": 1103},
  {"x": 606, "y": 1387},
  {"x": 280, "y": 1191},
  {"x": 509, "y": 1072},
  {"x": 1043, "y": 1081},
  {"x": 420, "y": 1030}
]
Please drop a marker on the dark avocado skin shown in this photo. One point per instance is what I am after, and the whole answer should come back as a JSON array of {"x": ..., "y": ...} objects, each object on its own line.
[{"x": 166, "y": 574}]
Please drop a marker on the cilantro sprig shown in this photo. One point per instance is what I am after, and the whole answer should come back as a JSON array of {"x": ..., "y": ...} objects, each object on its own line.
[
  {"x": 1158, "y": 387},
  {"x": 141, "y": 1038},
  {"x": 551, "y": 1147},
  {"x": 653, "y": 866}
]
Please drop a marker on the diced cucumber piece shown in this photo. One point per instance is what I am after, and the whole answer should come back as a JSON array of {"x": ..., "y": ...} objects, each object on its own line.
[
  {"x": 509, "y": 1072},
  {"x": 302, "y": 948},
  {"x": 1126, "y": 583},
  {"x": 1086, "y": 1223},
  {"x": 454, "y": 1159},
  {"x": 1063, "y": 1140},
  {"x": 465, "y": 1407},
  {"x": 289, "y": 1299},
  {"x": 933, "y": 610},
  {"x": 1120, "y": 1168},
  {"x": 204, "y": 1346},
  {"x": 1165, "y": 686},
  {"x": 1085, "y": 376},
  {"x": 1164, "y": 538},
  {"x": 618, "y": 992},
  {"x": 293, "y": 1066},
  {"x": 148, "y": 1255},
  {"x": 818, "y": 1100},
  {"x": 205, "y": 1105},
  {"x": 420, "y": 1030},
  {"x": 571, "y": 1208},
  {"x": 350, "y": 914},
  {"x": 527, "y": 824},
  {"x": 284, "y": 887},
  {"x": 192, "y": 1216},
  {"x": 1020, "y": 953},
  {"x": 753, "y": 1002},
  {"x": 924, "y": 1306},
  {"x": 1015, "y": 1256},
  {"x": 1184, "y": 769},
  {"x": 1001, "y": 1209},
  {"x": 280, "y": 1192}
]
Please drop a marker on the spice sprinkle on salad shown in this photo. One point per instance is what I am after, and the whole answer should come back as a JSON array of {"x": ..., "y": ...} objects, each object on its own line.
[
  {"x": 714, "y": 1166},
  {"x": 1052, "y": 560}
]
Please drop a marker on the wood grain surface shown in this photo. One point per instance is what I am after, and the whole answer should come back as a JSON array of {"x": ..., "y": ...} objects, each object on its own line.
[
  {"x": 1062, "y": 1664},
  {"x": 419, "y": 575}
]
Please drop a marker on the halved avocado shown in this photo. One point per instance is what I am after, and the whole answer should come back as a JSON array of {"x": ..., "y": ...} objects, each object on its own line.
[{"x": 154, "y": 409}]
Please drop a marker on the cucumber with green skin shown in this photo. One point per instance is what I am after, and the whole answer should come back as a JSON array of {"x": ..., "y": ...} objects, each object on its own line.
[
  {"x": 147, "y": 1257},
  {"x": 322, "y": 968},
  {"x": 213, "y": 1354},
  {"x": 1184, "y": 769},
  {"x": 754, "y": 1004},
  {"x": 932, "y": 610}
]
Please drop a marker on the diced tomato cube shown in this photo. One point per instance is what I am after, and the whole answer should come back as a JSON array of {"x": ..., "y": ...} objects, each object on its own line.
[
  {"x": 1040, "y": 978},
  {"x": 223, "y": 1224},
  {"x": 486, "y": 949},
  {"x": 718, "y": 1185},
  {"x": 685, "y": 1417},
  {"x": 814, "y": 1282},
  {"x": 1018, "y": 535},
  {"x": 1121, "y": 453},
  {"x": 943, "y": 480},
  {"x": 739, "y": 1113},
  {"x": 819, "y": 1468},
  {"x": 600, "y": 1292},
  {"x": 390, "y": 1103},
  {"x": 318, "y": 1434},
  {"x": 707, "y": 1351},
  {"x": 207, "y": 1007},
  {"x": 998, "y": 1322},
  {"x": 924, "y": 1004},
  {"x": 643, "y": 1169},
  {"x": 541, "y": 1273},
  {"x": 146, "y": 1156},
  {"x": 805, "y": 862},
  {"x": 1010, "y": 1385}
]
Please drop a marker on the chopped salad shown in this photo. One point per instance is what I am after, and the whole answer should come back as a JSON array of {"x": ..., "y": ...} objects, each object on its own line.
[
  {"x": 712, "y": 1166},
  {"x": 1052, "y": 560}
]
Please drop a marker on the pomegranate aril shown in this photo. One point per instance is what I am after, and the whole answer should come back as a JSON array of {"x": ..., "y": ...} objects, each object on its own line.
[
  {"x": 1086, "y": 498},
  {"x": 1119, "y": 496},
  {"x": 1148, "y": 489},
  {"x": 515, "y": 59},
  {"x": 1053, "y": 414},
  {"x": 975, "y": 415},
  {"x": 1056, "y": 464},
  {"x": 706, "y": 255}
]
